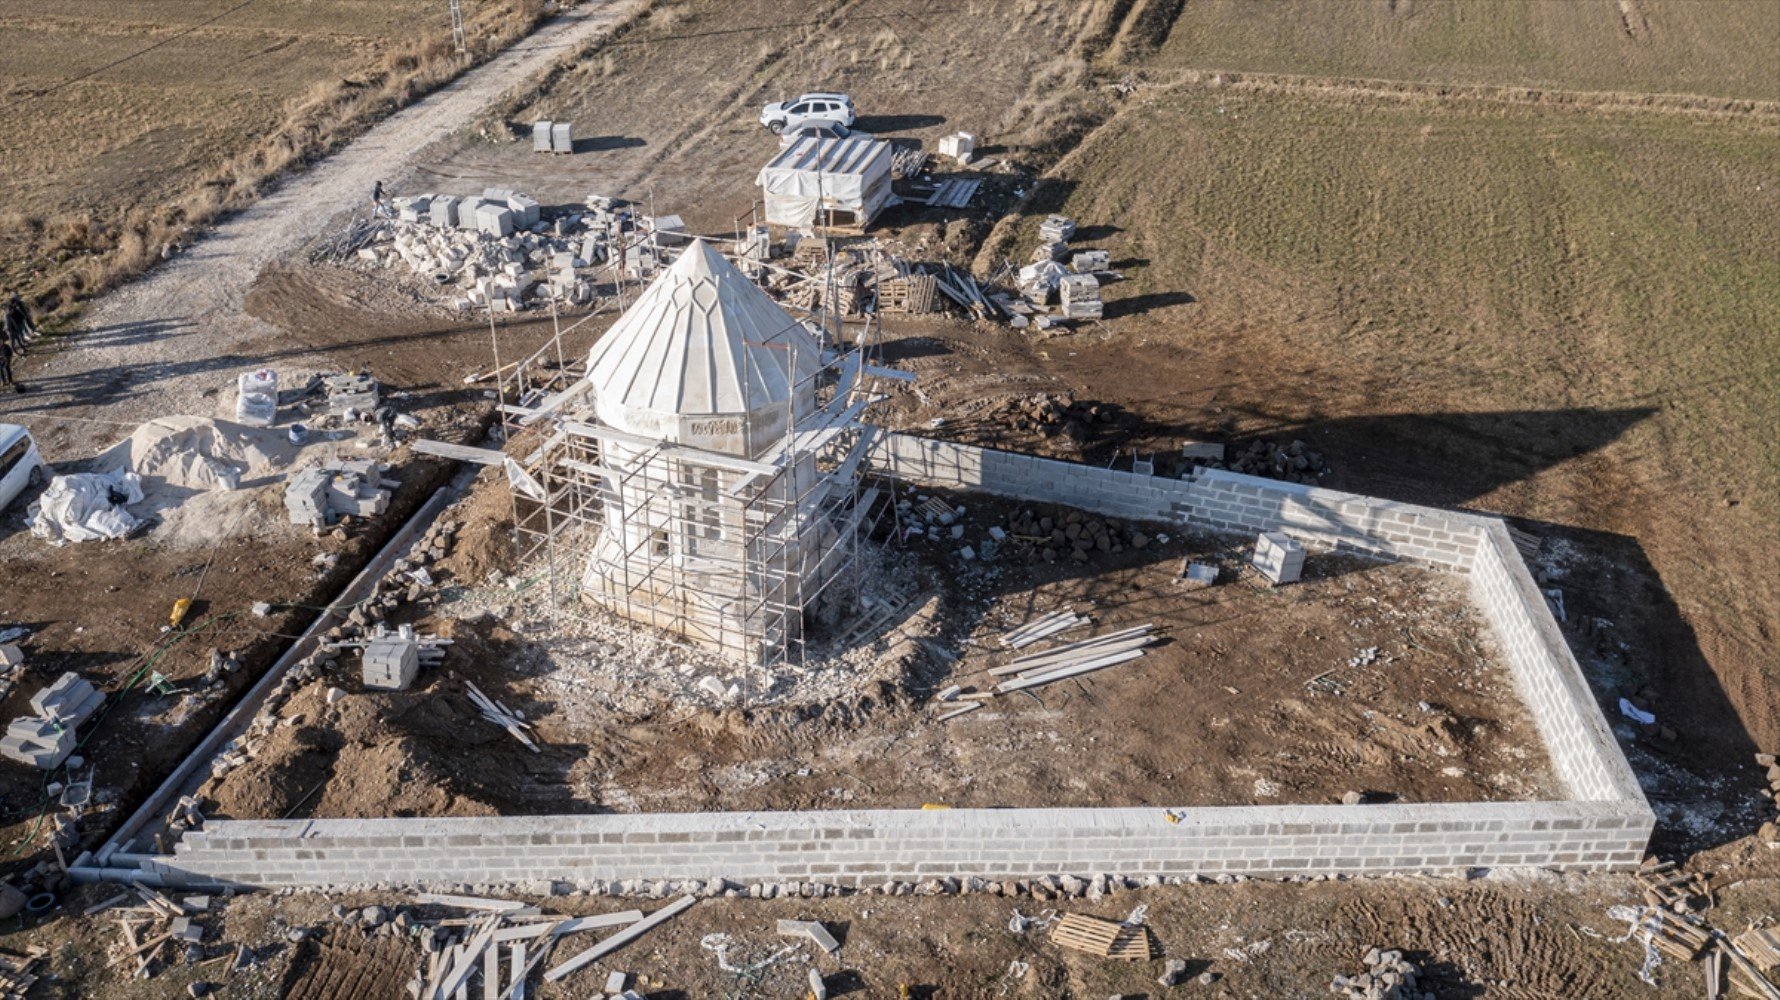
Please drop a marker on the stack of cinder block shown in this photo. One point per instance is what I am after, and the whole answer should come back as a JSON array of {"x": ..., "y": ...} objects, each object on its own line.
[
  {"x": 1279, "y": 557},
  {"x": 541, "y": 136},
  {"x": 1056, "y": 229},
  {"x": 1080, "y": 296},
  {"x": 391, "y": 660},
  {"x": 353, "y": 391},
  {"x": 319, "y": 496},
  {"x": 44, "y": 740},
  {"x": 960, "y": 146}
]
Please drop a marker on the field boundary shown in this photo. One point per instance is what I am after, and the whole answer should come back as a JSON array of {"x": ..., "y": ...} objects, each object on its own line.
[
  {"x": 1406, "y": 91},
  {"x": 1603, "y": 825}
]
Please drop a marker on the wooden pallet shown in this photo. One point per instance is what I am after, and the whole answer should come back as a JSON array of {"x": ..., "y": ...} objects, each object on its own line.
[
  {"x": 1106, "y": 938},
  {"x": 915, "y": 293},
  {"x": 1762, "y": 945}
]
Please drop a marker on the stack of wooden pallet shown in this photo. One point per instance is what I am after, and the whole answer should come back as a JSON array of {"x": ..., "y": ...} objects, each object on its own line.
[
  {"x": 1668, "y": 887},
  {"x": 913, "y": 293},
  {"x": 954, "y": 192}
]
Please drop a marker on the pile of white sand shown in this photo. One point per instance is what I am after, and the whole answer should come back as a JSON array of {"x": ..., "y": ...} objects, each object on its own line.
[{"x": 200, "y": 453}]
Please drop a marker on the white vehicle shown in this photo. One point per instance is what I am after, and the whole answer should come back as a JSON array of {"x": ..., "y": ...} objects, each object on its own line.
[
  {"x": 20, "y": 464},
  {"x": 819, "y": 130},
  {"x": 824, "y": 108}
]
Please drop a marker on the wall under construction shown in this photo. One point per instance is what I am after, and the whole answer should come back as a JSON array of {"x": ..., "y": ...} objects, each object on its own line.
[{"x": 1603, "y": 824}]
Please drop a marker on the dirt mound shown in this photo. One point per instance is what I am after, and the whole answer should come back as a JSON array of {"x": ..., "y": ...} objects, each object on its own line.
[{"x": 484, "y": 543}]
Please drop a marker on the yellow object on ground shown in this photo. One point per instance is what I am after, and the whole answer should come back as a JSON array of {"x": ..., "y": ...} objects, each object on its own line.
[{"x": 180, "y": 607}]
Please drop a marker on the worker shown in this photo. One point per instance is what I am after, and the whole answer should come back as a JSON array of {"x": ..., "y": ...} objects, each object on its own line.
[
  {"x": 386, "y": 423},
  {"x": 6, "y": 363},
  {"x": 17, "y": 321},
  {"x": 377, "y": 199}
]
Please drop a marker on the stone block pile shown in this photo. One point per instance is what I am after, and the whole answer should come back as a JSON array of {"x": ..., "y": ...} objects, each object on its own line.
[
  {"x": 321, "y": 495},
  {"x": 45, "y": 738},
  {"x": 498, "y": 249},
  {"x": 1295, "y": 462}
]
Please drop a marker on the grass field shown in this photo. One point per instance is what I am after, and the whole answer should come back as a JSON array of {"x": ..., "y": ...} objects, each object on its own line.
[
  {"x": 1383, "y": 264},
  {"x": 1527, "y": 258},
  {"x": 1720, "y": 48},
  {"x": 127, "y": 121}
]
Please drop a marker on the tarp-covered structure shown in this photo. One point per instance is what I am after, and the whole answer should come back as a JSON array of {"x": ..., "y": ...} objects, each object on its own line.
[
  {"x": 87, "y": 506},
  {"x": 827, "y": 183}
]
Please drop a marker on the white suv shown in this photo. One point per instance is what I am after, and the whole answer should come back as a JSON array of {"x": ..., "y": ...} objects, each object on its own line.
[
  {"x": 810, "y": 107},
  {"x": 20, "y": 465}
]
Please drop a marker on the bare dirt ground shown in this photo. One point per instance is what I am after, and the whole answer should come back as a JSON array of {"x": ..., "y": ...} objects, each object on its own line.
[
  {"x": 1239, "y": 328},
  {"x": 1269, "y": 703},
  {"x": 1528, "y": 937}
]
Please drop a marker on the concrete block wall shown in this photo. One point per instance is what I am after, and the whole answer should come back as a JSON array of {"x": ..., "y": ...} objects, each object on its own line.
[
  {"x": 870, "y": 847},
  {"x": 1547, "y": 676},
  {"x": 1210, "y": 498},
  {"x": 1605, "y": 823}
]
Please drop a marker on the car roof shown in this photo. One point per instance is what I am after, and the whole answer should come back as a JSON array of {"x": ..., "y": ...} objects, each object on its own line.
[
  {"x": 824, "y": 94},
  {"x": 11, "y": 433}
]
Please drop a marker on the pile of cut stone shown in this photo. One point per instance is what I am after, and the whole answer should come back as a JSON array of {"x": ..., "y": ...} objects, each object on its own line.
[
  {"x": 499, "y": 250},
  {"x": 321, "y": 495},
  {"x": 1388, "y": 976},
  {"x": 1292, "y": 463},
  {"x": 45, "y": 738},
  {"x": 1051, "y": 415}
]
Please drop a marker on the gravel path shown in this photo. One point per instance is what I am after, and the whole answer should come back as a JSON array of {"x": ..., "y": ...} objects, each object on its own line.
[{"x": 172, "y": 341}]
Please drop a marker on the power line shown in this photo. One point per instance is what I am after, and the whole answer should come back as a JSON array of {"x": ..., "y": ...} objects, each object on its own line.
[{"x": 119, "y": 62}]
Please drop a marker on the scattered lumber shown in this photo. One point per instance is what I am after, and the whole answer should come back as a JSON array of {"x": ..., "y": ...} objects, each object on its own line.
[
  {"x": 1105, "y": 938},
  {"x": 498, "y": 714},
  {"x": 963, "y": 710},
  {"x": 19, "y": 972},
  {"x": 1075, "y": 652},
  {"x": 1761, "y": 945},
  {"x": 1055, "y": 623},
  {"x": 1669, "y": 888},
  {"x": 621, "y": 938}
]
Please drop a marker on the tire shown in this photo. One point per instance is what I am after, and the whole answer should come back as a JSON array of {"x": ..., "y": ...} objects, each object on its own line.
[
  {"x": 36, "y": 478},
  {"x": 775, "y": 127}
]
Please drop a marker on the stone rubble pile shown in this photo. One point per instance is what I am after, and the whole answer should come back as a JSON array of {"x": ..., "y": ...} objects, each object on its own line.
[
  {"x": 1388, "y": 976},
  {"x": 500, "y": 250},
  {"x": 1292, "y": 463}
]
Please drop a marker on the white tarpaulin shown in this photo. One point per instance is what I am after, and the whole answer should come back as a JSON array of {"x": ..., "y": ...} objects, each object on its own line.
[
  {"x": 814, "y": 175},
  {"x": 86, "y": 506}
]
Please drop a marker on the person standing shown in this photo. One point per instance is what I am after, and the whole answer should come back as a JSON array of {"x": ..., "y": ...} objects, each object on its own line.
[
  {"x": 17, "y": 321},
  {"x": 377, "y": 199},
  {"x": 6, "y": 360}
]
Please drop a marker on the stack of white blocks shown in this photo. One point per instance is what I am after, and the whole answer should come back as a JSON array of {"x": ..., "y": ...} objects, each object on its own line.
[
  {"x": 45, "y": 740},
  {"x": 1279, "y": 557}
]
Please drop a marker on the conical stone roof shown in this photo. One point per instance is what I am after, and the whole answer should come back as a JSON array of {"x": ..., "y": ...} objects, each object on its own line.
[{"x": 702, "y": 341}]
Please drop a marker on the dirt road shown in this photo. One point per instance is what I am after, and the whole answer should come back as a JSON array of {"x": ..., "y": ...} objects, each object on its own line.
[{"x": 136, "y": 354}]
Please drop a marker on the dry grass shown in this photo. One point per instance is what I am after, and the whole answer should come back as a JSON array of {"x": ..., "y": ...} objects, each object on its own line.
[
  {"x": 63, "y": 257},
  {"x": 1721, "y": 48}
]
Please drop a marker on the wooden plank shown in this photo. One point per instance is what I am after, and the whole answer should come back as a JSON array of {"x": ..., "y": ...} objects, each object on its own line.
[
  {"x": 621, "y": 938},
  {"x": 457, "y": 452},
  {"x": 1071, "y": 657}
]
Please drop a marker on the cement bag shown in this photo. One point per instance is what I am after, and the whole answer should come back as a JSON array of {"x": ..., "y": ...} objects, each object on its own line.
[{"x": 86, "y": 506}]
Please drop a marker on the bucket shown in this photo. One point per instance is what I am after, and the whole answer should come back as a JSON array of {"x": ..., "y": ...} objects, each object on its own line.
[{"x": 298, "y": 434}]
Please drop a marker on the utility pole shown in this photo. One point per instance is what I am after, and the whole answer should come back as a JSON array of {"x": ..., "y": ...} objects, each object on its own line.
[{"x": 457, "y": 27}]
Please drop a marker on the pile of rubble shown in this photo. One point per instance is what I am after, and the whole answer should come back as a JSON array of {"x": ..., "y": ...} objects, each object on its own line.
[
  {"x": 1769, "y": 833},
  {"x": 1388, "y": 976},
  {"x": 1052, "y": 415},
  {"x": 1292, "y": 463},
  {"x": 502, "y": 251}
]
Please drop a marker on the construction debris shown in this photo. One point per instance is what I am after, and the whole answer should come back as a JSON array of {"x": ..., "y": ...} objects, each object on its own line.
[
  {"x": 501, "y": 715},
  {"x": 1293, "y": 463},
  {"x": 815, "y": 931},
  {"x": 1388, "y": 976},
  {"x": 1074, "y": 659},
  {"x": 622, "y": 938},
  {"x": 45, "y": 739},
  {"x": 18, "y": 972},
  {"x": 1667, "y": 887},
  {"x": 160, "y": 921},
  {"x": 1052, "y": 624},
  {"x": 392, "y": 659},
  {"x": 960, "y": 146}
]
